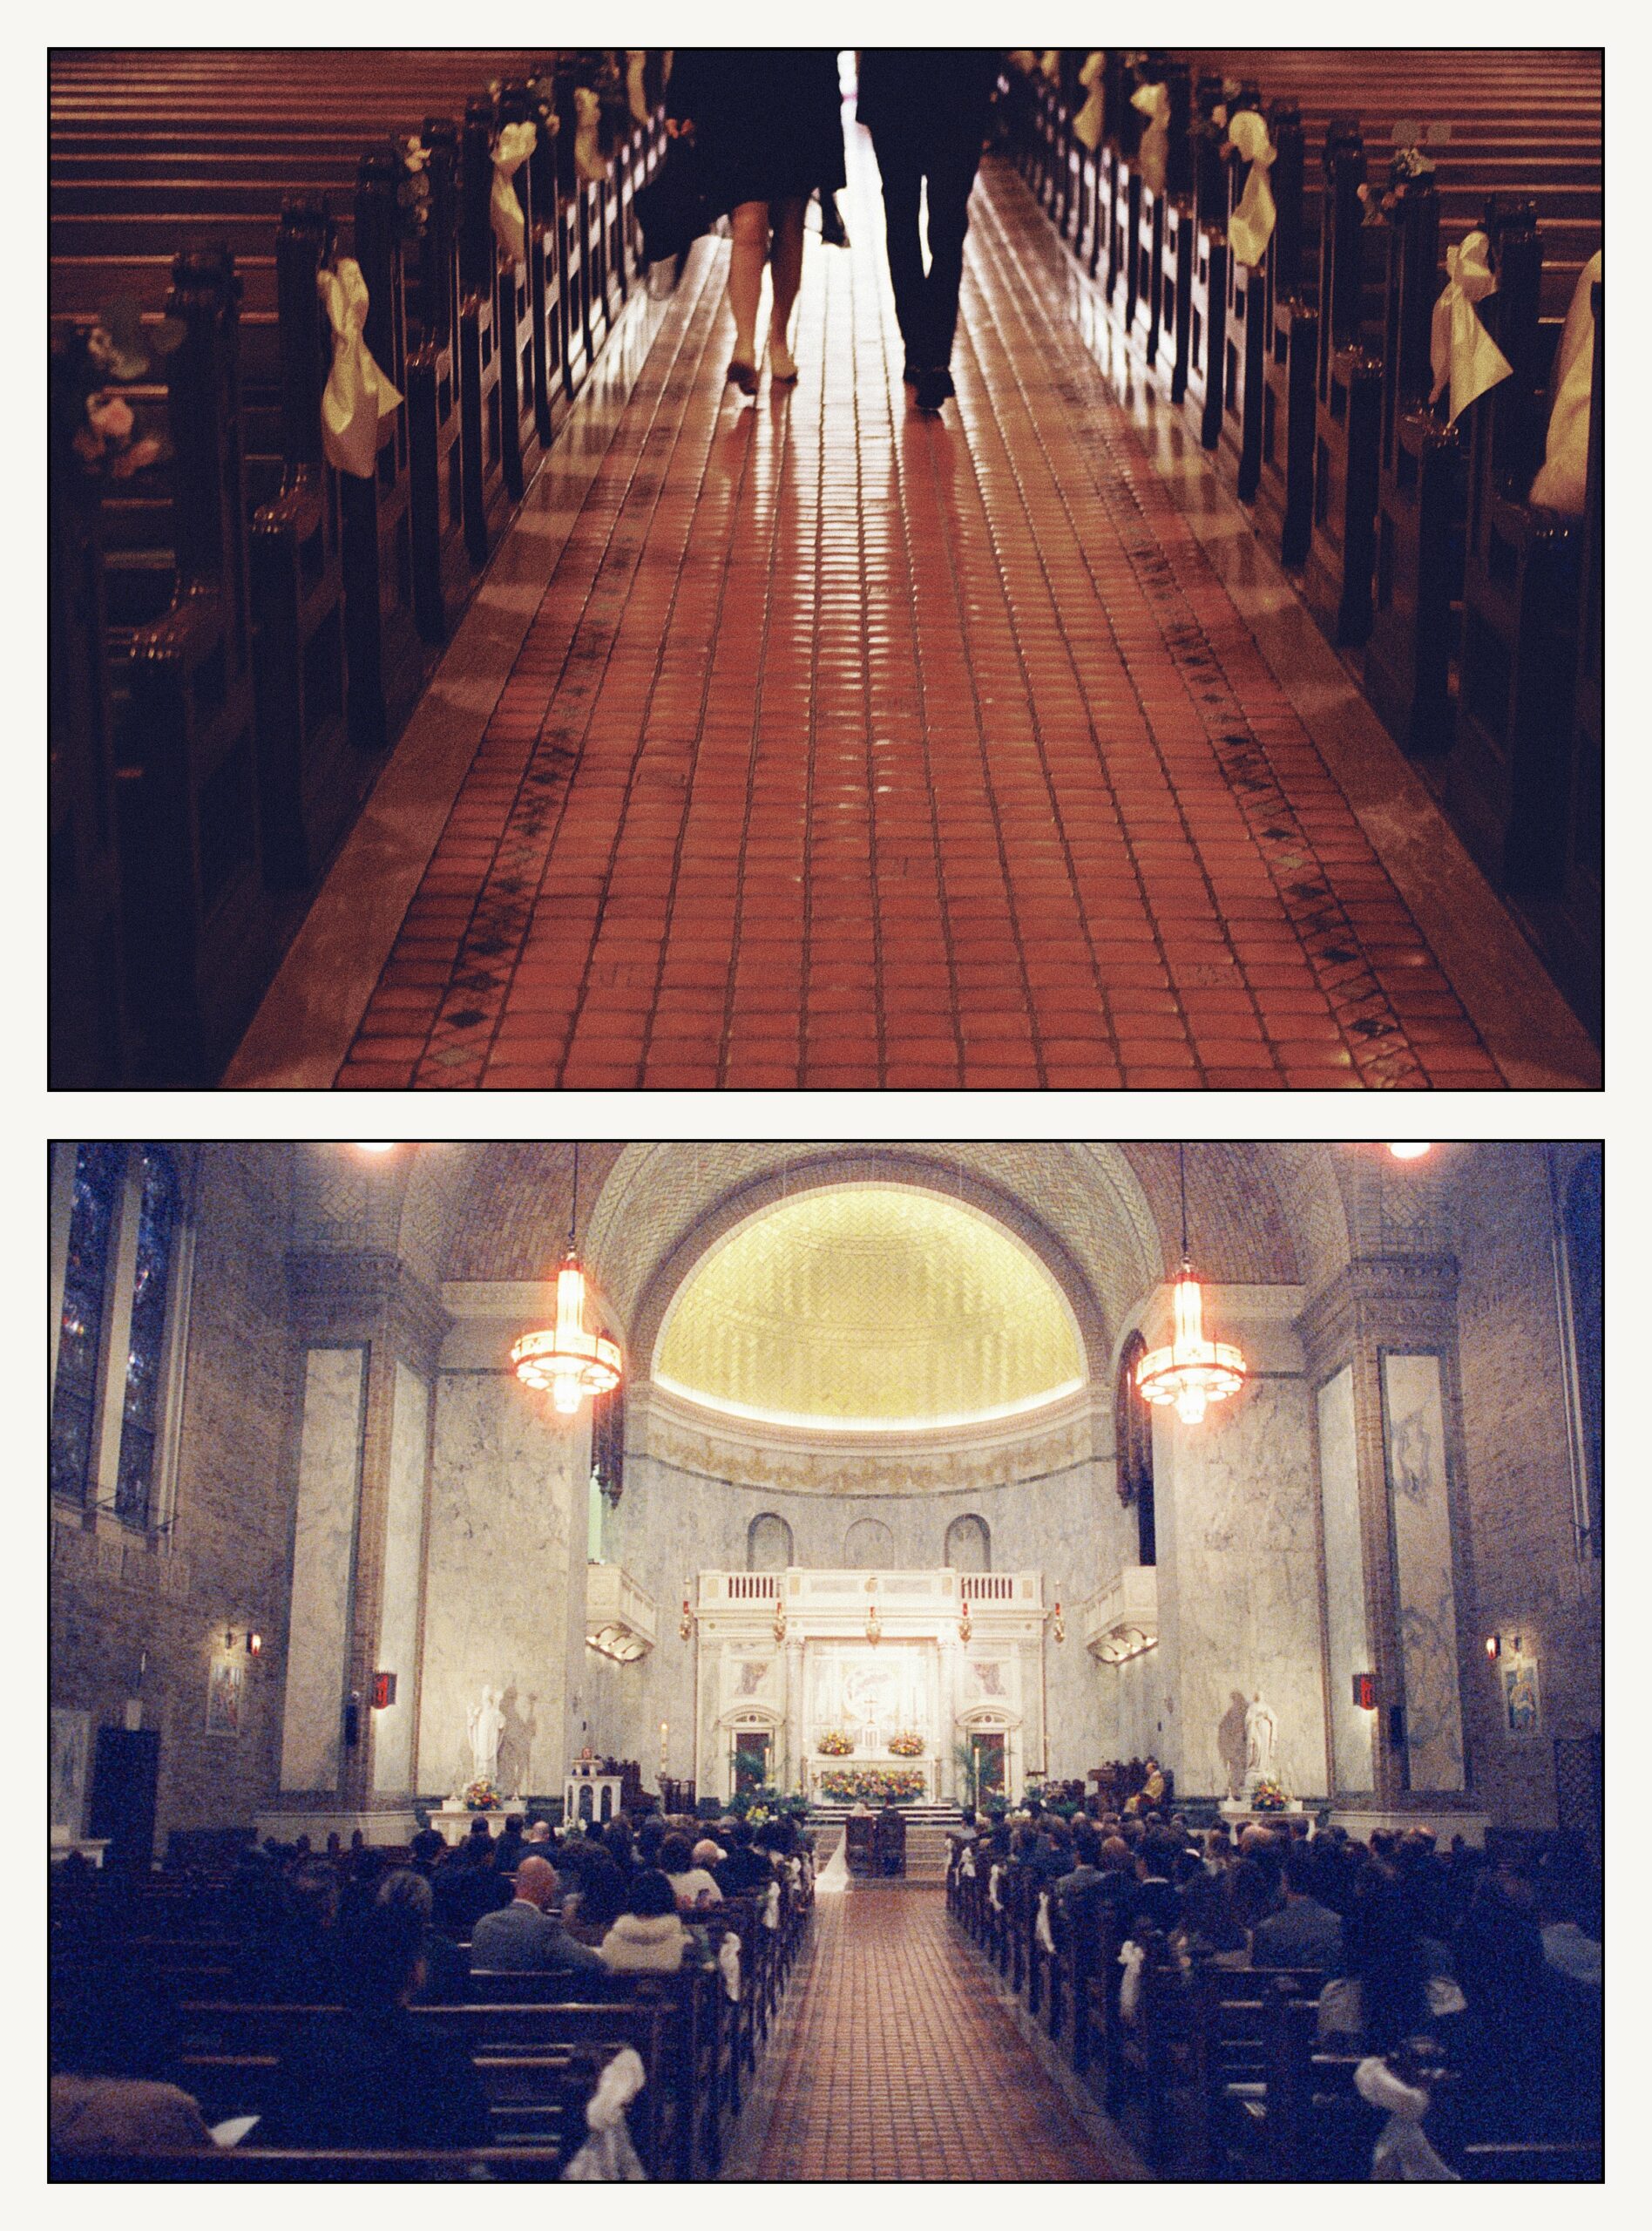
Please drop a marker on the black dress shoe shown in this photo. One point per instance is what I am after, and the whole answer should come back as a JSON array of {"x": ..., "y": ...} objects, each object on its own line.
[
  {"x": 744, "y": 377},
  {"x": 943, "y": 378},
  {"x": 934, "y": 387},
  {"x": 910, "y": 373}
]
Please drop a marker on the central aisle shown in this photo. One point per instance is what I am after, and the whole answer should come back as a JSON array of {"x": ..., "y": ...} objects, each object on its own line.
[
  {"x": 898, "y": 2062},
  {"x": 847, "y": 749}
]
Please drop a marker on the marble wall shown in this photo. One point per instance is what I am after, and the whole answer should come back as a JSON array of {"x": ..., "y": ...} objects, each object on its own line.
[
  {"x": 399, "y": 1601},
  {"x": 1239, "y": 1587},
  {"x": 1419, "y": 1506},
  {"x": 672, "y": 1524},
  {"x": 506, "y": 1529},
  {"x": 1347, "y": 1635},
  {"x": 329, "y": 1477}
]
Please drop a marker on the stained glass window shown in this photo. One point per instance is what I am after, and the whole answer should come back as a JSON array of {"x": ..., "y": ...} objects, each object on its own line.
[
  {"x": 146, "y": 1357},
  {"x": 99, "y": 1169}
]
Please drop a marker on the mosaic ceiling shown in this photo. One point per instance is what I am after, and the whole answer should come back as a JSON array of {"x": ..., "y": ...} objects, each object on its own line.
[{"x": 869, "y": 1307}]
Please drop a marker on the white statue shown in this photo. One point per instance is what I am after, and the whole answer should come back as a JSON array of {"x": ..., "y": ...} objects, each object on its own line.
[
  {"x": 1262, "y": 1732},
  {"x": 484, "y": 1723}
]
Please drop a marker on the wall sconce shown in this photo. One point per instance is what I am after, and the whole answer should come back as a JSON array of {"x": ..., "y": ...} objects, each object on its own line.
[
  {"x": 685, "y": 1624},
  {"x": 254, "y": 1645},
  {"x": 1408, "y": 1150},
  {"x": 1494, "y": 1645},
  {"x": 251, "y": 1642},
  {"x": 965, "y": 1629},
  {"x": 780, "y": 1619},
  {"x": 1059, "y": 1624}
]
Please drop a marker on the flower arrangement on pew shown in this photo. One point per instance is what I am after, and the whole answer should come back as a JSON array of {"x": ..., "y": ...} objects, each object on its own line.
[
  {"x": 1269, "y": 1796},
  {"x": 909, "y": 1743},
  {"x": 480, "y": 1796},
  {"x": 834, "y": 1743}
]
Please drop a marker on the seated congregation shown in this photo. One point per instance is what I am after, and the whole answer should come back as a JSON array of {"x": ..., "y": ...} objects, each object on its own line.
[
  {"x": 1304, "y": 2008},
  {"x": 536, "y": 2003}
]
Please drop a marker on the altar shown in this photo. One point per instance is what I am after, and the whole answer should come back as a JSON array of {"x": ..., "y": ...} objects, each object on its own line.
[{"x": 860, "y": 1686}]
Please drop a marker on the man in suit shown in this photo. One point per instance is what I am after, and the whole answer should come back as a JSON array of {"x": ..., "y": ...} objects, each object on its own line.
[
  {"x": 523, "y": 1936},
  {"x": 1303, "y": 1934},
  {"x": 927, "y": 110}
]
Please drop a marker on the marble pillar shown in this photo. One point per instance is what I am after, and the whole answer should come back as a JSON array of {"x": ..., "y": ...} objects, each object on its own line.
[
  {"x": 398, "y": 1620},
  {"x": 329, "y": 1472},
  {"x": 1347, "y": 1636}
]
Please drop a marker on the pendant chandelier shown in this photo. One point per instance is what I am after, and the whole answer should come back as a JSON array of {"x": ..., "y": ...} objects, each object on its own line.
[
  {"x": 1192, "y": 1371},
  {"x": 564, "y": 1360}
]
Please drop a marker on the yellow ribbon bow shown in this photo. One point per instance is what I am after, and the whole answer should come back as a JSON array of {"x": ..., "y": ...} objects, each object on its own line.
[
  {"x": 511, "y": 149},
  {"x": 1460, "y": 350},
  {"x": 1091, "y": 120},
  {"x": 357, "y": 394},
  {"x": 1250, "y": 226},
  {"x": 1154, "y": 101}
]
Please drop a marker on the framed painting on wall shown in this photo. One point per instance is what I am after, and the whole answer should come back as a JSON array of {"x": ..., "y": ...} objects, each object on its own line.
[
  {"x": 223, "y": 1697},
  {"x": 71, "y": 1750},
  {"x": 1522, "y": 1706}
]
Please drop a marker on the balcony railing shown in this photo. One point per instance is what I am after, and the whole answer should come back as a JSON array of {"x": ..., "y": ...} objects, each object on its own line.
[
  {"x": 1122, "y": 1619},
  {"x": 621, "y": 1617}
]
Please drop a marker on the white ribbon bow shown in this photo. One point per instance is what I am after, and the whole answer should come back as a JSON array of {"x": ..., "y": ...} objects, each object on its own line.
[
  {"x": 587, "y": 154},
  {"x": 993, "y": 1898},
  {"x": 1562, "y": 478},
  {"x": 1250, "y": 226},
  {"x": 728, "y": 1961},
  {"x": 1041, "y": 1926},
  {"x": 511, "y": 149},
  {"x": 357, "y": 394},
  {"x": 1402, "y": 2154},
  {"x": 616, "y": 2087},
  {"x": 1131, "y": 1959},
  {"x": 1460, "y": 348},
  {"x": 771, "y": 1906},
  {"x": 1091, "y": 120},
  {"x": 1154, "y": 101}
]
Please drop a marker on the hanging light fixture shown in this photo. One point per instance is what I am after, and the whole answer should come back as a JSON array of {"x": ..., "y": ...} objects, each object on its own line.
[
  {"x": 1408, "y": 1150},
  {"x": 965, "y": 1628},
  {"x": 780, "y": 1617},
  {"x": 564, "y": 1360},
  {"x": 874, "y": 1625},
  {"x": 685, "y": 1624},
  {"x": 1192, "y": 1371}
]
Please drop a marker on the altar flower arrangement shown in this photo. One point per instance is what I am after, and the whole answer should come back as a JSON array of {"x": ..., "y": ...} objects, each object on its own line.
[
  {"x": 879, "y": 1785},
  {"x": 1269, "y": 1796},
  {"x": 835, "y": 1745},
  {"x": 480, "y": 1796},
  {"x": 909, "y": 1743}
]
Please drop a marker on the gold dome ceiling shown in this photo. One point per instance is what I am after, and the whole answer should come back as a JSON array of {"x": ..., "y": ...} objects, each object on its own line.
[{"x": 875, "y": 1308}]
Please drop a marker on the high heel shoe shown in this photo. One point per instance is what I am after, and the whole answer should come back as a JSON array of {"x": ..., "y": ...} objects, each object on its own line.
[
  {"x": 782, "y": 365},
  {"x": 744, "y": 377}
]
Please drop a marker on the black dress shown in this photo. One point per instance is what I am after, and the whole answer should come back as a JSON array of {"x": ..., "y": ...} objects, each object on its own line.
[{"x": 768, "y": 121}]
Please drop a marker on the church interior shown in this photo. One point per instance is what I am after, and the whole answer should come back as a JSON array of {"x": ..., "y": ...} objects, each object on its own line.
[
  {"x": 817, "y": 1661},
  {"x": 470, "y": 670}
]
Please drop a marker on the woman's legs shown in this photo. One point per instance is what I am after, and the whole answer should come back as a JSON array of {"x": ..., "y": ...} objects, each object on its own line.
[
  {"x": 749, "y": 221},
  {"x": 786, "y": 267}
]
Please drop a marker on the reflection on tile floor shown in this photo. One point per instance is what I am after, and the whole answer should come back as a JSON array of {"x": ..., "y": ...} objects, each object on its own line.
[
  {"x": 898, "y": 2062},
  {"x": 847, "y": 749}
]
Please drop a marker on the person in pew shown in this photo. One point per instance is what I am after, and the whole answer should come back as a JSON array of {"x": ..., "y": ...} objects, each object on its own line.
[
  {"x": 369, "y": 2073},
  {"x": 743, "y": 1869},
  {"x": 426, "y": 1848},
  {"x": 447, "y": 1973},
  {"x": 1077, "y": 1892},
  {"x": 651, "y": 1834},
  {"x": 1303, "y": 1934},
  {"x": 649, "y": 1936},
  {"x": 524, "y": 1937},
  {"x": 467, "y": 1885},
  {"x": 1384, "y": 1992},
  {"x": 508, "y": 1850},
  {"x": 599, "y": 1897},
  {"x": 291, "y": 1956},
  {"x": 692, "y": 1884},
  {"x": 113, "y": 2062},
  {"x": 618, "y": 1842},
  {"x": 1153, "y": 1902},
  {"x": 765, "y": 124}
]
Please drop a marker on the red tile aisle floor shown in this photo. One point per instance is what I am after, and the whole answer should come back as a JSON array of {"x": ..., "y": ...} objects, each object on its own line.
[
  {"x": 898, "y": 2063},
  {"x": 849, "y": 748}
]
